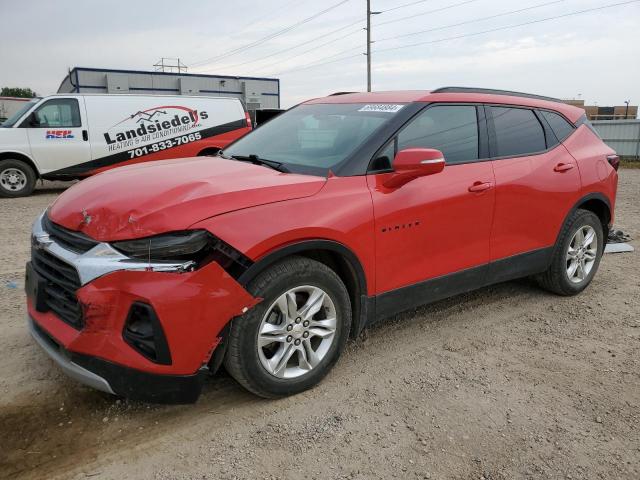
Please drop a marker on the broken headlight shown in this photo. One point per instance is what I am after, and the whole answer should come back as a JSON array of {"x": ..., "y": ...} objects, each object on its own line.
[
  {"x": 198, "y": 246},
  {"x": 171, "y": 246}
]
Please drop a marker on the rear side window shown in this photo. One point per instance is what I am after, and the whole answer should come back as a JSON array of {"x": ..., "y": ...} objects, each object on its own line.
[
  {"x": 452, "y": 129},
  {"x": 561, "y": 128},
  {"x": 518, "y": 132}
]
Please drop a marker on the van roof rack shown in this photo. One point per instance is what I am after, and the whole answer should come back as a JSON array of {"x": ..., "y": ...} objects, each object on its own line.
[
  {"x": 492, "y": 91},
  {"x": 340, "y": 93}
]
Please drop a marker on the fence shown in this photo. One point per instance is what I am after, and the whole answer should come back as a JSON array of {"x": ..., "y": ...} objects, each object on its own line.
[{"x": 621, "y": 135}]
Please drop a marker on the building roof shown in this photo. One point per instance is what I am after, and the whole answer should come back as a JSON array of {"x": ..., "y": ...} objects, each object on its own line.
[{"x": 173, "y": 74}]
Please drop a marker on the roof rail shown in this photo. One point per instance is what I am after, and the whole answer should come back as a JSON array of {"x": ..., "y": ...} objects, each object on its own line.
[
  {"x": 340, "y": 93},
  {"x": 491, "y": 91}
]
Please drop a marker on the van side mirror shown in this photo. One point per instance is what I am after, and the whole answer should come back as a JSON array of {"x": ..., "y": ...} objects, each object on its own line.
[
  {"x": 33, "y": 120},
  {"x": 412, "y": 163}
]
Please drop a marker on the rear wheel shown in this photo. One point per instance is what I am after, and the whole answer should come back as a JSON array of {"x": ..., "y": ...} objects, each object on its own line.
[
  {"x": 577, "y": 255},
  {"x": 17, "y": 178},
  {"x": 290, "y": 341}
]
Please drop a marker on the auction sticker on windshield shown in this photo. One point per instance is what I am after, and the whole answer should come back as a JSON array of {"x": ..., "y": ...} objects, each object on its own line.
[{"x": 381, "y": 107}]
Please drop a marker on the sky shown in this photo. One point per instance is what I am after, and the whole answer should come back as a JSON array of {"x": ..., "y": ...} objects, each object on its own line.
[{"x": 317, "y": 47}]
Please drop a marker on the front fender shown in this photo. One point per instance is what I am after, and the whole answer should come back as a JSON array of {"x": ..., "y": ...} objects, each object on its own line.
[{"x": 340, "y": 217}]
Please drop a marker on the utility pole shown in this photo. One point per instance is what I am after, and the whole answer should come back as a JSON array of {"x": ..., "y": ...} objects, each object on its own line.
[{"x": 369, "y": 42}]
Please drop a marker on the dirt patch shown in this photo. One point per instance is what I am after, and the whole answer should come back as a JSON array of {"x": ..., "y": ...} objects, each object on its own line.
[{"x": 505, "y": 382}]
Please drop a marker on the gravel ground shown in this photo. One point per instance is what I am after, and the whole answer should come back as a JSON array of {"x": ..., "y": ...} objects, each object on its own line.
[{"x": 506, "y": 382}]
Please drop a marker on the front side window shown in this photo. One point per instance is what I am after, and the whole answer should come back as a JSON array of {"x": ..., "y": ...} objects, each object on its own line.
[
  {"x": 314, "y": 138},
  {"x": 452, "y": 129},
  {"x": 518, "y": 132},
  {"x": 59, "y": 112}
]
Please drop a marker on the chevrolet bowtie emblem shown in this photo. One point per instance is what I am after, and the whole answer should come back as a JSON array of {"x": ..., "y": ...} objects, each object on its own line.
[{"x": 86, "y": 218}]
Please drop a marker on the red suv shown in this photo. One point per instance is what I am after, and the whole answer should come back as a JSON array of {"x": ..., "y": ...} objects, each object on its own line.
[{"x": 342, "y": 211}]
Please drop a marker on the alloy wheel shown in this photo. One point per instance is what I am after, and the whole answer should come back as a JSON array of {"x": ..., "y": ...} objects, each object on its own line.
[
  {"x": 582, "y": 253},
  {"x": 297, "y": 331}
]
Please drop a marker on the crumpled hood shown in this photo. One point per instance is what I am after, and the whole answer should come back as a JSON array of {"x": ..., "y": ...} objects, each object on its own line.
[{"x": 155, "y": 197}]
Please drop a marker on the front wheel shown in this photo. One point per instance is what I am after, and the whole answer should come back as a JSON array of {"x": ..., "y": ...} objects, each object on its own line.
[
  {"x": 577, "y": 255},
  {"x": 17, "y": 178},
  {"x": 290, "y": 341}
]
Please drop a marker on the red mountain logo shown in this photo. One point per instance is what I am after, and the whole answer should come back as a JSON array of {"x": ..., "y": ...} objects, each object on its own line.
[{"x": 155, "y": 120}]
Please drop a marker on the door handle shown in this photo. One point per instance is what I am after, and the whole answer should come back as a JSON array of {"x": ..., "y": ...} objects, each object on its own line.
[
  {"x": 85, "y": 135},
  {"x": 480, "y": 186},
  {"x": 563, "y": 167}
]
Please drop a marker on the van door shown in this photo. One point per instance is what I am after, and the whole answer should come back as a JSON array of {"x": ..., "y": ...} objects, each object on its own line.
[{"x": 57, "y": 134}]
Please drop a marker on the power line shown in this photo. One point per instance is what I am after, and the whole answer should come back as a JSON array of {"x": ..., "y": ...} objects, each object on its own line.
[
  {"x": 313, "y": 65},
  {"x": 579, "y": 12},
  {"x": 285, "y": 50},
  {"x": 507, "y": 27},
  {"x": 425, "y": 13},
  {"x": 470, "y": 21},
  {"x": 270, "y": 36},
  {"x": 268, "y": 15},
  {"x": 410, "y": 4},
  {"x": 316, "y": 47}
]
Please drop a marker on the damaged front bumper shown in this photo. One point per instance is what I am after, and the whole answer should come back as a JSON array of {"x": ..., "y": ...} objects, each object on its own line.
[
  {"x": 187, "y": 311},
  {"x": 117, "y": 379}
]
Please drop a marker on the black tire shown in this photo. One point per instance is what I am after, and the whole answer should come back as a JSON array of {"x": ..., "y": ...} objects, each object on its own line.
[
  {"x": 556, "y": 278},
  {"x": 242, "y": 358},
  {"x": 12, "y": 190}
]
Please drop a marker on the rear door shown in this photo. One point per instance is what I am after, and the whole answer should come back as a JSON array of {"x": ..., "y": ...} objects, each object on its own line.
[
  {"x": 57, "y": 133},
  {"x": 537, "y": 182},
  {"x": 434, "y": 225}
]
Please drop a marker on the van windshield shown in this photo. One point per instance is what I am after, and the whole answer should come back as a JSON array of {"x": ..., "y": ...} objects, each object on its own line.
[
  {"x": 11, "y": 121},
  {"x": 313, "y": 138}
]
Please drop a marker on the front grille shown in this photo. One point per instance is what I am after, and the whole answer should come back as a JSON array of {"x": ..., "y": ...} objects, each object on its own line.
[
  {"x": 75, "y": 241},
  {"x": 62, "y": 281}
]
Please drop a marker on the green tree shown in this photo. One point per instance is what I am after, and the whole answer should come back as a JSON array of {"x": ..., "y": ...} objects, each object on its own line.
[{"x": 17, "y": 92}]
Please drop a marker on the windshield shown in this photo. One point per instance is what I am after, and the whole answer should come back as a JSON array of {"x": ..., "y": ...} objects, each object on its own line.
[
  {"x": 314, "y": 138},
  {"x": 11, "y": 121}
]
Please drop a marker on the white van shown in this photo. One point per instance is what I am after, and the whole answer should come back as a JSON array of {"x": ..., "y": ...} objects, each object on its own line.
[{"x": 73, "y": 136}]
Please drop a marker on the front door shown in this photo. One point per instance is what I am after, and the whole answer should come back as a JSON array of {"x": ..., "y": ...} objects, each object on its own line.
[
  {"x": 57, "y": 134},
  {"x": 440, "y": 224}
]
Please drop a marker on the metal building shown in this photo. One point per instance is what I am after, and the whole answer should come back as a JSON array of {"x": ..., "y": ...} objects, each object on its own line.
[
  {"x": 257, "y": 93},
  {"x": 621, "y": 135}
]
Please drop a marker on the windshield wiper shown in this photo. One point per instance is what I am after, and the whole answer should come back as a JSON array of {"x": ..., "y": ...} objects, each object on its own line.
[{"x": 256, "y": 160}]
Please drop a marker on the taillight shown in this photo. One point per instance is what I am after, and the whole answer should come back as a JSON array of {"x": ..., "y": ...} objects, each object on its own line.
[
  {"x": 248, "y": 117},
  {"x": 614, "y": 161}
]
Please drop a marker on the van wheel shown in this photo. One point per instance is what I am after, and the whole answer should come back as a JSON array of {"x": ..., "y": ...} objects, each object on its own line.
[
  {"x": 17, "y": 178},
  {"x": 289, "y": 342},
  {"x": 577, "y": 255}
]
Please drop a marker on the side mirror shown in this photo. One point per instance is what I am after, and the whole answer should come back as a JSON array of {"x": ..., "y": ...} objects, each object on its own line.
[
  {"x": 412, "y": 163},
  {"x": 33, "y": 120}
]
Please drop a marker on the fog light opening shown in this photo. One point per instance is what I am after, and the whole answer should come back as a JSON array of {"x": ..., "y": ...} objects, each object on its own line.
[{"x": 143, "y": 332}]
